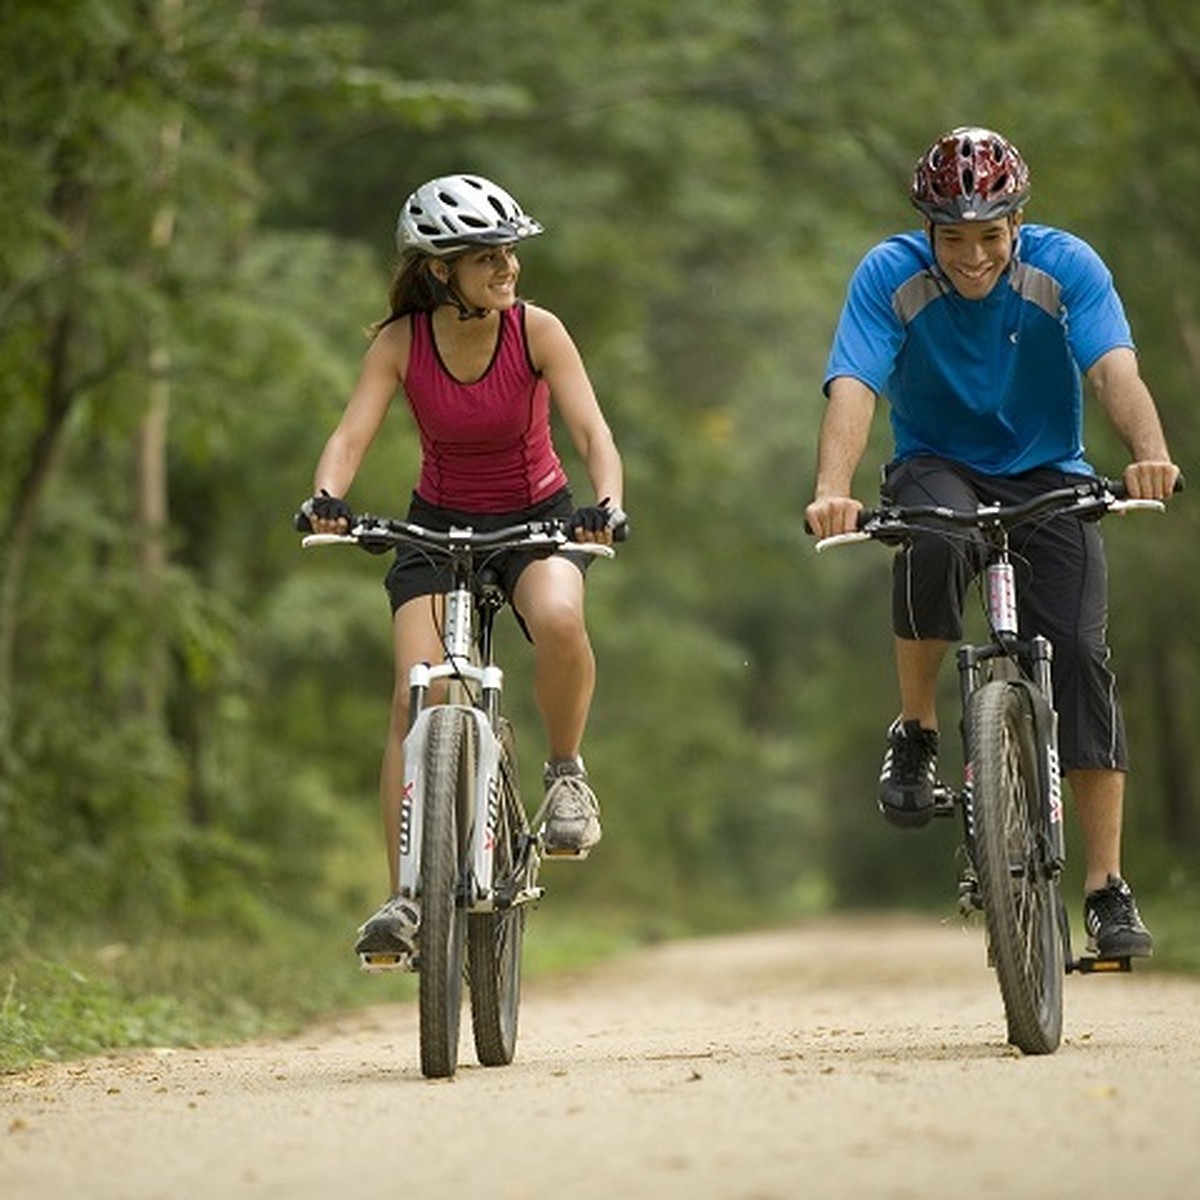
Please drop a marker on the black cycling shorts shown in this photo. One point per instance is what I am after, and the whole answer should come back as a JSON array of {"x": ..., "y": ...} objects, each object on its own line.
[
  {"x": 416, "y": 572},
  {"x": 1062, "y": 592}
]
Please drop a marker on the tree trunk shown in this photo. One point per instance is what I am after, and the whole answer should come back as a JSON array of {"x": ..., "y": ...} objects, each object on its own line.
[
  {"x": 22, "y": 520},
  {"x": 152, "y": 485}
]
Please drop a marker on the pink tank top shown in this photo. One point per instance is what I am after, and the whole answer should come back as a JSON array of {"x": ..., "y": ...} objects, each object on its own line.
[{"x": 485, "y": 446}]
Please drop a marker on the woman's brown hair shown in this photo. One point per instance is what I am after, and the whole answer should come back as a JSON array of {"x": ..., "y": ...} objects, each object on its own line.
[{"x": 414, "y": 288}]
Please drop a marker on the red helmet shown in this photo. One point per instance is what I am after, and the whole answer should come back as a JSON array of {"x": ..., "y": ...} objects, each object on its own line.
[{"x": 970, "y": 174}]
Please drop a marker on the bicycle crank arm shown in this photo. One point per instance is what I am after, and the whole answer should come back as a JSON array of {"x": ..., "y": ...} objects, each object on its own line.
[{"x": 502, "y": 902}]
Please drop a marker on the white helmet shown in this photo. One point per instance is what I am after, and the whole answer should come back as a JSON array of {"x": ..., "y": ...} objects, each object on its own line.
[{"x": 454, "y": 211}]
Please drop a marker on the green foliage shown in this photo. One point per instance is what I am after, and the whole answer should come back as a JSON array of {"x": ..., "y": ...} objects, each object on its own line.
[{"x": 54, "y": 1012}]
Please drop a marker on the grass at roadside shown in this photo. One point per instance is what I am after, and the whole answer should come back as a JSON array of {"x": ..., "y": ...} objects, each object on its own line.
[
  {"x": 1175, "y": 926},
  {"x": 96, "y": 996}
]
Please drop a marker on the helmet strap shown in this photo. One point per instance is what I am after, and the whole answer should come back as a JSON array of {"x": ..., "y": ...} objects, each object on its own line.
[
  {"x": 464, "y": 312},
  {"x": 470, "y": 314},
  {"x": 446, "y": 293}
]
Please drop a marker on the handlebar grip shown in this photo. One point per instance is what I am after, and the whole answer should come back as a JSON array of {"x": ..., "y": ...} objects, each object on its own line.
[
  {"x": 1118, "y": 489},
  {"x": 863, "y": 516}
]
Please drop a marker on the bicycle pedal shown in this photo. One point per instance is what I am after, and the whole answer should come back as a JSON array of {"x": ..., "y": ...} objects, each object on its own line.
[
  {"x": 943, "y": 801},
  {"x": 1091, "y": 964},
  {"x": 563, "y": 854},
  {"x": 375, "y": 962}
]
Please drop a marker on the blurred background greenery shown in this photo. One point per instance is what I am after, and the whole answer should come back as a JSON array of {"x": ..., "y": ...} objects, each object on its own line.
[{"x": 198, "y": 199}]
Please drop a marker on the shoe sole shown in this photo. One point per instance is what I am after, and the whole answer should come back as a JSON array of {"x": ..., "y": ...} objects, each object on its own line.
[
  {"x": 566, "y": 850},
  {"x": 907, "y": 818},
  {"x": 1134, "y": 947},
  {"x": 567, "y": 853},
  {"x": 384, "y": 945}
]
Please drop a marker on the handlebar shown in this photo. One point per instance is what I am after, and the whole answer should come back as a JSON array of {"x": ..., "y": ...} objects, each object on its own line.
[
  {"x": 1091, "y": 498},
  {"x": 378, "y": 534}
]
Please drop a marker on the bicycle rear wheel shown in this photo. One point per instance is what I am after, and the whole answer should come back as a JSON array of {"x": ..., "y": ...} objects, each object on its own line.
[
  {"x": 1020, "y": 892},
  {"x": 449, "y": 775},
  {"x": 495, "y": 939}
]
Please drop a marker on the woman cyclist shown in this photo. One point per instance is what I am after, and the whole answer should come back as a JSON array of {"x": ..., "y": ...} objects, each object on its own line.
[{"x": 480, "y": 368}]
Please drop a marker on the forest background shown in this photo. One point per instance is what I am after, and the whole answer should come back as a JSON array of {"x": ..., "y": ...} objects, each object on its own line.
[{"x": 198, "y": 199}]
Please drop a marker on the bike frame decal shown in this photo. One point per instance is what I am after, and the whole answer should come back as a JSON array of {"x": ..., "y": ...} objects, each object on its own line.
[
  {"x": 487, "y": 792},
  {"x": 406, "y": 806},
  {"x": 411, "y": 811}
]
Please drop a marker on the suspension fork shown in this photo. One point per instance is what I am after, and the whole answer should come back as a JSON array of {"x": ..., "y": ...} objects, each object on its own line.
[
  {"x": 1045, "y": 719},
  {"x": 1038, "y": 654}
]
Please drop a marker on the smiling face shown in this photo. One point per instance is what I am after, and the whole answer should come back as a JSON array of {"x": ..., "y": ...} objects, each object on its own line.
[
  {"x": 485, "y": 278},
  {"x": 973, "y": 255}
]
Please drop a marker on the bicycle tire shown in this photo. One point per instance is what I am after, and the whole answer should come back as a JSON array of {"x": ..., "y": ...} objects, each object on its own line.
[
  {"x": 495, "y": 940},
  {"x": 1020, "y": 894},
  {"x": 448, "y": 781}
]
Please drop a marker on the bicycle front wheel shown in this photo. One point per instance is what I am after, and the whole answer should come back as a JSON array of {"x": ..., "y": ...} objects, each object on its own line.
[
  {"x": 449, "y": 775},
  {"x": 495, "y": 939},
  {"x": 1020, "y": 891}
]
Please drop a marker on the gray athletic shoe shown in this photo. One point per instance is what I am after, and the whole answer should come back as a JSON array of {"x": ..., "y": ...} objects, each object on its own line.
[
  {"x": 572, "y": 813},
  {"x": 391, "y": 931}
]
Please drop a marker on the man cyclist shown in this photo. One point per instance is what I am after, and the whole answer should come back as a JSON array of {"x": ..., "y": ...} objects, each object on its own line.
[{"x": 979, "y": 330}]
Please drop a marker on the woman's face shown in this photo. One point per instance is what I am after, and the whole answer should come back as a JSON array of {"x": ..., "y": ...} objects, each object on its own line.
[
  {"x": 973, "y": 255},
  {"x": 487, "y": 277}
]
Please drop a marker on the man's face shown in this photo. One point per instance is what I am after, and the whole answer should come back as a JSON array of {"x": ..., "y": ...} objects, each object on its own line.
[{"x": 974, "y": 254}]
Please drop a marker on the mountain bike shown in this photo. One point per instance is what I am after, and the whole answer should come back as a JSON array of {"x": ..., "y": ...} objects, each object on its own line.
[
  {"x": 1010, "y": 799},
  {"x": 469, "y": 852}
]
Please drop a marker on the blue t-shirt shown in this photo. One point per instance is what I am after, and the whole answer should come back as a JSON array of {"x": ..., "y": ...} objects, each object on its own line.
[{"x": 994, "y": 384}]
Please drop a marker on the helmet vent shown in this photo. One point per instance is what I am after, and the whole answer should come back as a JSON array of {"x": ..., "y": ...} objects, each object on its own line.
[{"x": 970, "y": 174}]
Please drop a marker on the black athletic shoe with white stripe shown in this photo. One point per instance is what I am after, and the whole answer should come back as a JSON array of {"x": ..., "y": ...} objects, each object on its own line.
[
  {"x": 1114, "y": 928},
  {"x": 909, "y": 773}
]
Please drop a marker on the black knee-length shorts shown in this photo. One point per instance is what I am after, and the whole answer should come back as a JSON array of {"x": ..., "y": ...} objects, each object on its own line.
[{"x": 1062, "y": 591}]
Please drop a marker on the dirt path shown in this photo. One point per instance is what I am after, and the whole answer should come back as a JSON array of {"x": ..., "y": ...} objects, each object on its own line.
[{"x": 840, "y": 1059}]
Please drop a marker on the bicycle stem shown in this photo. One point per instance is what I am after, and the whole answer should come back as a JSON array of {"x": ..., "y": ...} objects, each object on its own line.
[
  {"x": 1002, "y": 597},
  {"x": 458, "y": 624}
]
